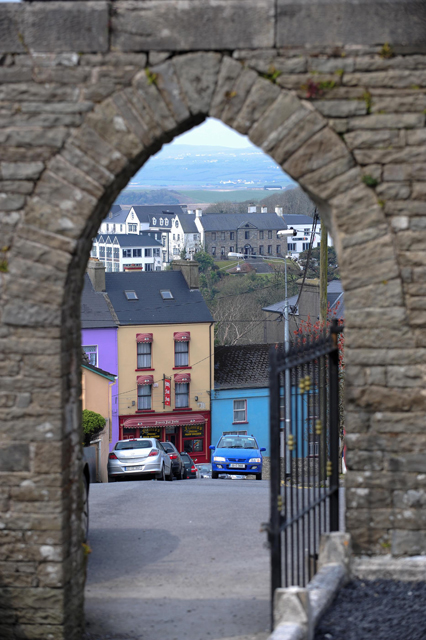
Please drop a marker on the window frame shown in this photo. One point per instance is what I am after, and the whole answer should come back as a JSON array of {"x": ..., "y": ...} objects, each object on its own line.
[
  {"x": 180, "y": 366},
  {"x": 145, "y": 395},
  {"x": 143, "y": 344},
  {"x": 180, "y": 393},
  {"x": 234, "y": 410},
  {"x": 94, "y": 352}
]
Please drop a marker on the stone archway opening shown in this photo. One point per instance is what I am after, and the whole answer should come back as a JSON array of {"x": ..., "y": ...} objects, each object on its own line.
[{"x": 379, "y": 258}]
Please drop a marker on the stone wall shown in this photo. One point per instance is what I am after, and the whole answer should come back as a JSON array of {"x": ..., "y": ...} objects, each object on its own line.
[{"x": 89, "y": 91}]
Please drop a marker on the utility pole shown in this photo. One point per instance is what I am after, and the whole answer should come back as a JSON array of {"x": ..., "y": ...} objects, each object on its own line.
[{"x": 323, "y": 274}]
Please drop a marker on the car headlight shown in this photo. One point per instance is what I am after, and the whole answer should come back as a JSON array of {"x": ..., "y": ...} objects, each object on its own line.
[
  {"x": 255, "y": 460},
  {"x": 218, "y": 459}
]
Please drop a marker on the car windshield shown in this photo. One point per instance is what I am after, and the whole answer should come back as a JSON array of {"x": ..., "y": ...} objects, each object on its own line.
[
  {"x": 229, "y": 442},
  {"x": 168, "y": 447},
  {"x": 134, "y": 444}
]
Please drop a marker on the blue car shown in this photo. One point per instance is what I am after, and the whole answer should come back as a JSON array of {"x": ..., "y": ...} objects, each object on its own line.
[{"x": 237, "y": 455}]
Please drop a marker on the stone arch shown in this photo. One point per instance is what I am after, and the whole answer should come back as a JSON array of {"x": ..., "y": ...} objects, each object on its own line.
[{"x": 53, "y": 237}]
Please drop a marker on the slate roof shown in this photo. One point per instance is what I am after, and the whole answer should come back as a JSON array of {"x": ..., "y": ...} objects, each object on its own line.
[
  {"x": 130, "y": 240},
  {"x": 232, "y": 221},
  {"x": 187, "y": 306},
  {"x": 291, "y": 219},
  {"x": 95, "y": 313},
  {"x": 100, "y": 372},
  {"x": 119, "y": 214},
  {"x": 241, "y": 366},
  {"x": 187, "y": 221},
  {"x": 145, "y": 212},
  {"x": 335, "y": 300}
]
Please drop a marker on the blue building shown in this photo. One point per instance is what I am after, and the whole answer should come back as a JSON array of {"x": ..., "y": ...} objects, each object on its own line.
[{"x": 240, "y": 399}]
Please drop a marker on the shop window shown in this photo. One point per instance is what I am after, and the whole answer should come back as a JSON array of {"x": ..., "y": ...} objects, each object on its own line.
[
  {"x": 193, "y": 446},
  {"x": 181, "y": 354},
  {"x": 144, "y": 396},
  {"x": 181, "y": 392},
  {"x": 240, "y": 410},
  {"x": 144, "y": 355}
]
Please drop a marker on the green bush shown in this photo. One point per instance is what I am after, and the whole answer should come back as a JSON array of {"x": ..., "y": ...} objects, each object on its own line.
[{"x": 93, "y": 423}]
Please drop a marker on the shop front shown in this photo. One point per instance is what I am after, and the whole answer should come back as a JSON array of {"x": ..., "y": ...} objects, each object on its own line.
[{"x": 190, "y": 432}]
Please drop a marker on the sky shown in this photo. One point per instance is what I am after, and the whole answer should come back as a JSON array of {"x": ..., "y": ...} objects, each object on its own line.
[{"x": 213, "y": 133}]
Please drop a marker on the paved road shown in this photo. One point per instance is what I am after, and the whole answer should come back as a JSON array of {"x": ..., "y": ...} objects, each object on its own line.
[{"x": 180, "y": 560}]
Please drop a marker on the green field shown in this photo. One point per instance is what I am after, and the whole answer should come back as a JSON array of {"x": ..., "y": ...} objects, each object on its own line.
[{"x": 240, "y": 195}]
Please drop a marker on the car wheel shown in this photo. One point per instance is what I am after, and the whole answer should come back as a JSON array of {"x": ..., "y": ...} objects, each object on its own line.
[
  {"x": 259, "y": 476},
  {"x": 215, "y": 475},
  {"x": 184, "y": 474},
  {"x": 111, "y": 479},
  {"x": 161, "y": 475},
  {"x": 170, "y": 476}
]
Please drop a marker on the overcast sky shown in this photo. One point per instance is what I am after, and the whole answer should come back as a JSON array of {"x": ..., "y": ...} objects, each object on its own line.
[{"x": 213, "y": 133}]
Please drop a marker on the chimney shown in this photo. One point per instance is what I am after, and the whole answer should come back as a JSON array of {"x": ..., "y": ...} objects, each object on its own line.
[
  {"x": 252, "y": 208},
  {"x": 279, "y": 211},
  {"x": 190, "y": 212},
  {"x": 96, "y": 271},
  {"x": 189, "y": 270},
  {"x": 198, "y": 213},
  {"x": 263, "y": 209}
]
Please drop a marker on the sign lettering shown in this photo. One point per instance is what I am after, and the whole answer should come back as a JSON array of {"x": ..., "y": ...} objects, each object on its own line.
[
  {"x": 193, "y": 431},
  {"x": 167, "y": 392}
]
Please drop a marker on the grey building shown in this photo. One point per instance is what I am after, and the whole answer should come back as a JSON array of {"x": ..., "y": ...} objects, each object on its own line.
[{"x": 248, "y": 233}]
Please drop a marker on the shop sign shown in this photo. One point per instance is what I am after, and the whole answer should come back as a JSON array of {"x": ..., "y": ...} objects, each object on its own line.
[
  {"x": 167, "y": 391},
  {"x": 151, "y": 432},
  {"x": 193, "y": 431}
]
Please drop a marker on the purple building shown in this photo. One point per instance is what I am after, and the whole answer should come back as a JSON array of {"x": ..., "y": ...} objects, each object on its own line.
[{"x": 99, "y": 338}]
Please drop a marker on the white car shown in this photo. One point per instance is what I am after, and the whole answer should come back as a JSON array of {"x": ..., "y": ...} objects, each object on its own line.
[{"x": 139, "y": 457}]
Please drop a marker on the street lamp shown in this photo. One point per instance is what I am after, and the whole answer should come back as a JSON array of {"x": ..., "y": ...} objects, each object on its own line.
[{"x": 287, "y": 389}]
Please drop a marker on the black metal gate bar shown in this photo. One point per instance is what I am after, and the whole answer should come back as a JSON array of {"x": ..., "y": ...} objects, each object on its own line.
[{"x": 304, "y": 498}]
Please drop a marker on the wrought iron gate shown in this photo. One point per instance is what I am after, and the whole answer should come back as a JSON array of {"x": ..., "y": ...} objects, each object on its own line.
[{"x": 304, "y": 443}]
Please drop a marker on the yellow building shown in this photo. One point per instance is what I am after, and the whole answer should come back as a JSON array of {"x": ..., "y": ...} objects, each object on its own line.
[{"x": 165, "y": 356}]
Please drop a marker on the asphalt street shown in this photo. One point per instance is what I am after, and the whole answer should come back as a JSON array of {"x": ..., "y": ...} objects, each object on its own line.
[{"x": 180, "y": 560}]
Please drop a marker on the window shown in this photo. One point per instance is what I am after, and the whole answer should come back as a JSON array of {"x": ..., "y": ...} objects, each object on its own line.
[
  {"x": 92, "y": 353},
  {"x": 156, "y": 253},
  {"x": 164, "y": 256},
  {"x": 306, "y": 231},
  {"x": 116, "y": 266},
  {"x": 213, "y": 235},
  {"x": 232, "y": 235},
  {"x": 177, "y": 224},
  {"x": 144, "y": 355},
  {"x": 166, "y": 222},
  {"x": 178, "y": 236},
  {"x": 174, "y": 237},
  {"x": 161, "y": 222},
  {"x": 127, "y": 253},
  {"x": 269, "y": 249},
  {"x": 148, "y": 267},
  {"x": 131, "y": 295},
  {"x": 260, "y": 235},
  {"x": 108, "y": 267},
  {"x": 154, "y": 222},
  {"x": 193, "y": 446},
  {"x": 121, "y": 228},
  {"x": 113, "y": 228},
  {"x": 305, "y": 246},
  {"x": 181, "y": 354},
  {"x": 222, "y": 251},
  {"x": 109, "y": 252},
  {"x": 261, "y": 249},
  {"x": 269, "y": 235},
  {"x": 166, "y": 294},
  {"x": 231, "y": 248},
  {"x": 133, "y": 228},
  {"x": 116, "y": 252},
  {"x": 148, "y": 253},
  {"x": 240, "y": 411},
  {"x": 222, "y": 235},
  {"x": 133, "y": 216},
  {"x": 163, "y": 240},
  {"x": 247, "y": 235},
  {"x": 278, "y": 248},
  {"x": 175, "y": 251},
  {"x": 181, "y": 391},
  {"x": 102, "y": 252},
  {"x": 94, "y": 252},
  {"x": 144, "y": 396},
  {"x": 195, "y": 236},
  {"x": 137, "y": 253},
  {"x": 213, "y": 251},
  {"x": 291, "y": 246}
]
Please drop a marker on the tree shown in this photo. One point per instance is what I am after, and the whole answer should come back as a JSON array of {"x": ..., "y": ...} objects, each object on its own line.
[
  {"x": 205, "y": 261},
  {"x": 93, "y": 423},
  {"x": 314, "y": 263}
]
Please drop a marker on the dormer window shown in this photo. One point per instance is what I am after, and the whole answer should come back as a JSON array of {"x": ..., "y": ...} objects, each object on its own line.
[
  {"x": 166, "y": 222},
  {"x": 166, "y": 294},
  {"x": 154, "y": 222},
  {"x": 177, "y": 223},
  {"x": 131, "y": 295},
  {"x": 161, "y": 222}
]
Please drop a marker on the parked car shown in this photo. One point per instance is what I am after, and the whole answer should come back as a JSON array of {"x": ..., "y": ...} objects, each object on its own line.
[
  {"x": 237, "y": 455},
  {"x": 191, "y": 469},
  {"x": 178, "y": 466},
  {"x": 139, "y": 457}
]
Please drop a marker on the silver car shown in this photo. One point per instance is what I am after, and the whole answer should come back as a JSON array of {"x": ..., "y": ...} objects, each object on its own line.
[{"x": 141, "y": 456}]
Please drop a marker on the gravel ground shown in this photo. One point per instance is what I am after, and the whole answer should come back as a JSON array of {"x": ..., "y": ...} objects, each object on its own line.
[{"x": 376, "y": 610}]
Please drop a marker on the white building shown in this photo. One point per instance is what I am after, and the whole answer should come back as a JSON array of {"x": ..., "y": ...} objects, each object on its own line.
[
  {"x": 185, "y": 235},
  {"x": 128, "y": 252},
  {"x": 303, "y": 225}
]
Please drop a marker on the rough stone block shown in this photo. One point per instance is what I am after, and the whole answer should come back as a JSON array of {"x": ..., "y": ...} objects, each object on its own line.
[
  {"x": 300, "y": 126},
  {"x": 323, "y": 148},
  {"x": 262, "y": 95},
  {"x": 197, "y": 73},
  {"x": 263, "y": 131},
  {"x": 341, "y": 108},
  {"x": 238, "y": 95},
  {"x": 168, "y": 85},
  {"x": 15, "y": 457},
  {"x": 153, "y": 102},
  {"x": 54, "y": 26},
  {"x": 292, "y": 606},
  {"x": 160, "y": 25},
  {"x": 382, "y": 139},
  {"x": 408, "y": 543},
  {"x": 387, "y": 121},
  {"x": 228, "y": 74},
  {"x": 21, "y": 170}
]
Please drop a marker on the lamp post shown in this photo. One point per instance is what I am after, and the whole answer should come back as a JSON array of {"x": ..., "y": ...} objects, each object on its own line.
[{"x": 287, "y": 388}]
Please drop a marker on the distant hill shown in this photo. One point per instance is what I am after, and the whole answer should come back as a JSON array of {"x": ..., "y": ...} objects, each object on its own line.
[
  {"x": 198, "y": 166},
  {"x": 156, "y": 196}
]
